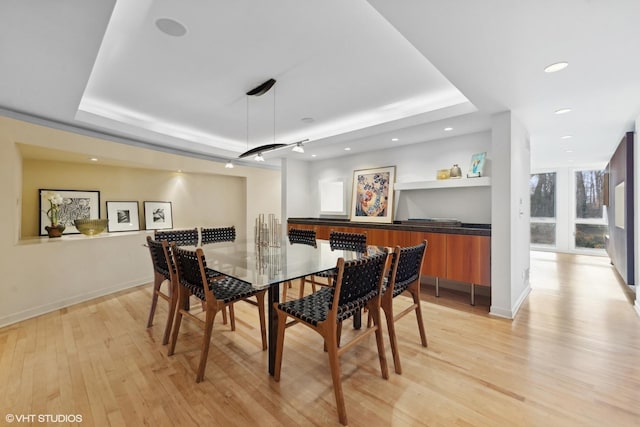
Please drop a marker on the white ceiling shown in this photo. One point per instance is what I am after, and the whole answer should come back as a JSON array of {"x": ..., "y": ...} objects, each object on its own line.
[{"x": 365, "y": 72}]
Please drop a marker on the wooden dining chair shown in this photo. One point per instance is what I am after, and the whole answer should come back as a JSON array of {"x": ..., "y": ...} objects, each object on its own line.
[
  {"x": 163, "y": 272},
  {"x": 404, "y": 276},
  {"x": 188, "y": 237},
  {"x": 300, "y": 236},
  {"x": 337, "y": 240},
  {"x": 358, "y": 284},
  {"x": 217, "y": 234},
  {"x": 216, "y": 291}
]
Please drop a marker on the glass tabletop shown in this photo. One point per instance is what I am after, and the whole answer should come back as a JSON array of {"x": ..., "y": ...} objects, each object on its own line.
[{"x": 263, "y": 265}]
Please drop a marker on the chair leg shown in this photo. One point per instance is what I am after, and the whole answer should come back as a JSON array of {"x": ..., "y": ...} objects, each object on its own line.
[
  {"x": 157, "y": 282},
  {"x": 178, "y": 320},
  {"x": 261, "y": 314},
  {"x": 415, "y": 293},
  {"x": 302, "y": 283},
  {"x": 282, "y": 325},
  {"x": 232, "y": 317},
  {"x": 206, "y": 340},
  {"x": 224, "y": 316},
  {"x": 173, "y": 303},
  {"x": 387, "y": 307},
  {"x": 375, "y": 313},
  {"x": 286, "y": 286},
  {"x": 331, "y": 342}
]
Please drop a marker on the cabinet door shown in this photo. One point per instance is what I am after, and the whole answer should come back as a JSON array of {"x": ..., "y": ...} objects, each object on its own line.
[
  {"x": 435, "y": 260},
  {"x": 469, "y": 259}
]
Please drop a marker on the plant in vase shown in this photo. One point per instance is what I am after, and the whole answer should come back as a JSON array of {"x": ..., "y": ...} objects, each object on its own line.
[{"x": 53, "y": 213}]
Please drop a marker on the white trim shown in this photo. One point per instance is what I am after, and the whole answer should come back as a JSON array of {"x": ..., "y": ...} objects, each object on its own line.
[{"x": 47, "y": 308}]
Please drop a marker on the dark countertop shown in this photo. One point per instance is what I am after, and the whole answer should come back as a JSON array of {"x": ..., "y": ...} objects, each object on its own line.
[{"x": 426, "y": 226}]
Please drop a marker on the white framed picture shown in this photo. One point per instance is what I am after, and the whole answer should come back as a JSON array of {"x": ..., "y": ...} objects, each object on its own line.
[
  {"x": 122, "y": 216},
  {"x": 157, "y": 215}
]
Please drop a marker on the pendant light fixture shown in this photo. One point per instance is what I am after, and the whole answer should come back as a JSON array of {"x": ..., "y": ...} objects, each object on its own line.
[{"x": 259, "y": 91}]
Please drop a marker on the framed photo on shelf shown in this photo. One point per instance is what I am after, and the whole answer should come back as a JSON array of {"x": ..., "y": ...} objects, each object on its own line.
[
  {"x": 157, "y": 215},
  {"x": 75, "y": 205},
  {"x": 372, "y": 195},
  {"x": 122, "y": 216},
  {"x": 476, "y": 169}
]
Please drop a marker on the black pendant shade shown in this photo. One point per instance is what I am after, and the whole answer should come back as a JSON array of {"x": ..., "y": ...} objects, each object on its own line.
[
  {"x": 262, "y": 89},
  {"x": 261, "y": 149}
]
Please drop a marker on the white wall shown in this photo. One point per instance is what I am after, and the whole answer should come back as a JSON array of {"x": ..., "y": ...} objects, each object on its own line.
[
  {"x": 416, "y": 162},
  {"x": 40, "y": 274},
  {"x": 510, "y": 216},
  {"x": 295, "y": 190}
]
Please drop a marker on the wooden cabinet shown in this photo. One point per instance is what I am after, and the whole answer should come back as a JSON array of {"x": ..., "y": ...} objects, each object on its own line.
[
  {"x": 469, "y": 259},
  {"x": 459, "y": 257}
]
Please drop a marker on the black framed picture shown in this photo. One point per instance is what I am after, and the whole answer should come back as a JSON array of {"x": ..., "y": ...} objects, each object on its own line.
[{"x": 69, "y": 206}]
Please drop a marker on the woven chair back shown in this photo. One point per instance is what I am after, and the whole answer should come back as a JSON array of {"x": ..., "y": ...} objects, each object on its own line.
[
  {"x": 303, "y": 236},
  {"x": 187, "y": 237},
  {"x": 159, "y": 252},
  {"x": 348, "y": 241},
  {"x": 220, "y": 234},
  {"x": 358, "y": 282},
  {"x": 406, "y": 264}
]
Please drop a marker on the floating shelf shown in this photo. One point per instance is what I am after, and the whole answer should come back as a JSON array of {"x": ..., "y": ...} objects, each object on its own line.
[{"x": 483, "y": 181}]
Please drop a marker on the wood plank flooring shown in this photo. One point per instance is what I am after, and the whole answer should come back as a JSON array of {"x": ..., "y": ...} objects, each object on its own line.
[{"x": 570, "y": 358}]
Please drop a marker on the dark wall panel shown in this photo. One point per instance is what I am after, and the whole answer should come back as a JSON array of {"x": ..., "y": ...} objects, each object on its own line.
[{"x": 620, "y": 245}]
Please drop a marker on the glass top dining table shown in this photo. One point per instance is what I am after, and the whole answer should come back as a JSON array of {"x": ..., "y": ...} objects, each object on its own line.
[{"x": 267, "y": 266}]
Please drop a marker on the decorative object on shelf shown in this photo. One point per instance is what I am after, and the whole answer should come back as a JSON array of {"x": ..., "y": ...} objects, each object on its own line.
[
  {"x": 69, "y": 206},
  {"x": 90, "y": 227},
  {"x": 157, "y": 215},
  {"x": 372, "y": 195},
  {"x": 122, "y": 216},
  {"x": 443, "y": 174},
  {"x": 269, "y": 232},
  {"x": 477, "y": 165},
  {"x": 55, "y": 230},
  {"x": 455, "y": 172}
]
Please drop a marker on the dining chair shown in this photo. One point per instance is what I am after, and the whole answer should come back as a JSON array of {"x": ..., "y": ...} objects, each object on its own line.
[
  {"x": 188, "y": 237},
  {"x": 404, "y": 276},
  {"x": 358, "y": 284},
  {"x": 163, "y": 271},
  {"x": 337, "y": 240},
  {"x": 303, "y": 237},
  {"x": 217, "y": 292},
  {"x": 218, "y": 234}
]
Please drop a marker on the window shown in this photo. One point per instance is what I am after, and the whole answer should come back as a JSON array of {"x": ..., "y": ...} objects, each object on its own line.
[
  {"x": 590, "y": 219},
  {"x": 542, "y": 190}
]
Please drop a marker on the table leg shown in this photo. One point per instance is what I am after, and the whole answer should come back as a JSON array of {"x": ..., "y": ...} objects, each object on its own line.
[{"x": 273, "y": 296}]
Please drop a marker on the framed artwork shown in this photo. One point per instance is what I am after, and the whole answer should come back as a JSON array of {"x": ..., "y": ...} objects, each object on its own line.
[
  {"x": 122, "y": 216},
  {"x": 74, "y": 205},
  {"x": 477, "y": 165},
  {"x": 372, "y": 195},
  {"x": 157, "y": 215}
]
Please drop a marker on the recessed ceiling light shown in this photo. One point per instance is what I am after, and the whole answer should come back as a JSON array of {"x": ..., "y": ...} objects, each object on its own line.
[
  {"x": 394, "y": 139},
  {"x": 313, "y": 155},
  {"x": 347, "y": 149},
  {"x": 448, "y": 129},
  {"x": 566, "y": 137},
  {"x": 93, "y": 159},
  {"x": 563, "y": 111},
  {"x": 569, "y": 151},
  {"x": 179, "y": 170},
  {"x": 171, "y": 27},
  {"x": 556, "y": 67}
]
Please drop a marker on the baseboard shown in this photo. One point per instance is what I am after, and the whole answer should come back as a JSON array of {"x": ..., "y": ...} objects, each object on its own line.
[
  {"x": 637, "y": 305},
  {"x": 47, "y": 308},
  {"x": 511, "y": 313}
]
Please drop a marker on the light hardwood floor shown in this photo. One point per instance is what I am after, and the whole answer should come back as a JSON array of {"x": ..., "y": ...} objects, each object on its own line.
[{"x": 570, "y": 358}]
